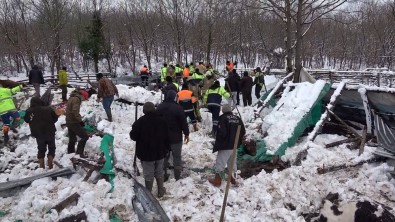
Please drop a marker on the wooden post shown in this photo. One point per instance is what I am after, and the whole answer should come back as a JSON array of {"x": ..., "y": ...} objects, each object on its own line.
[
  {"x": 230, "y": 171},
  {"x": 378, "y": 79}
]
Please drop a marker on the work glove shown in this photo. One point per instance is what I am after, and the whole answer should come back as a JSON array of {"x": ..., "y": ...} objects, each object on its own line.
[
  {"x": 186, "y": 139},
  {"x": 82, "y": 123}
]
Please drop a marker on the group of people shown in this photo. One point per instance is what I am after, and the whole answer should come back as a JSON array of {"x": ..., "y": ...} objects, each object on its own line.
[
  {"x": 237, "y": 85},
  {"x": 168, "y": 123},
  {"x": 171, "y": 117},
  {"x": 42, "y": 118}
]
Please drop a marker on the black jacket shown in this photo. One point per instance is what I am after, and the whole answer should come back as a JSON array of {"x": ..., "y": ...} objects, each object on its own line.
[
  {"x": 174, "y": 115},
  {"x": 232, "y": 84},
  {"x": 36, "y": 76},
  {"x": 246, "y": 84},
  {"x": 227, "y": 129},
  {"x": 150, "y": 134},
  {"x": 41, "y": 119},
  {"x": 168, "y": 87}
]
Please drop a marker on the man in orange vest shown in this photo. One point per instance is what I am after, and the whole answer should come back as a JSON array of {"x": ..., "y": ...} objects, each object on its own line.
[
  {"x": 186, "y": 100},
  {"x": 185, "y": 73},
  {"x": 144, "y": 73}
]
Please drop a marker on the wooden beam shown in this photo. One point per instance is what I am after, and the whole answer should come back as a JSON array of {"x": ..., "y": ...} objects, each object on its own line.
[
  {"x": 351, "y": 130},
  {"x": 75, "y": 218},
  {"x": 322, "y": 170},
  {"x": 66, "y": 202}
]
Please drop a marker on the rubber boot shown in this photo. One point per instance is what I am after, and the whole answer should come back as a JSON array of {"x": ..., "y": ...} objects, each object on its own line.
[
  {"x": 149, "y": 184},
  {"x": 50, "y": 162},
  {"x": 109, "y": 116},
  {"x": 41, "y": 163},
  {"x": 177, "y": 173},
  {"x": 195, "y": 128},
  {"x": 216, "y": 181},
  {"x": 6, "y": 138},
  {"x": 161, "y": 188}
]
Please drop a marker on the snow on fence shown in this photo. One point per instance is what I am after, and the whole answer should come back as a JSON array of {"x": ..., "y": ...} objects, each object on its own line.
[{"x": 379, "y": 78}]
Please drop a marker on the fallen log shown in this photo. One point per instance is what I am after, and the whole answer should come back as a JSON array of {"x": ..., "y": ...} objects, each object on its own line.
[
  {"x": 66, "y": 202},
  {"x": 75, "y": 218},
  {"x": 322, "y": 170},
  {"x": 337, "y": 143}
]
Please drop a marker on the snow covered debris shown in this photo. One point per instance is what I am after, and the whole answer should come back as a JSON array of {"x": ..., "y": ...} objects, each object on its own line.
[
  {"x": 278, "y": 196},
  {"x": 290, "y": 109}
]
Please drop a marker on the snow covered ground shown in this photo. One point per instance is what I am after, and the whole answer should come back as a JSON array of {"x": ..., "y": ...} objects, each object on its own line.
[{"x": 277, "y": 196}]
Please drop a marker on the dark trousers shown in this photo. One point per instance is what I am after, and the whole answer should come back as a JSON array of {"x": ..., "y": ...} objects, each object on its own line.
[
  {"x": 191, "y": 115},
  {"x": 42, "y": 144},
  {"x": 247, "y": 98},
  {"x": 258, "y": 91},
  {"x": 144, "y": 80},
  {"x": 75, "y": 129},
  {"x": 238, "y": 98},
  {"x": 64, "y": 92},
  {"x": 214, "y": 110}
]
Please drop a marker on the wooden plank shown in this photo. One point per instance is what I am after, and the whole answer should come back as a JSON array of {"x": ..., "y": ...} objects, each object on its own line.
[
  {"x": 66, "y": 202},
  {"x": 75, "y": 218}
]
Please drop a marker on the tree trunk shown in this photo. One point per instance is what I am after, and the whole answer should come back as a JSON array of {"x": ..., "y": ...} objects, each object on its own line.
[
  {"x": 288, "y": 41},
  {"x": 298, "y": 43}
]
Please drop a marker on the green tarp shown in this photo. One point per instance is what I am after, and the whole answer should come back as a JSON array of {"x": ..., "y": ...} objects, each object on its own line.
[
  {"x": 310, "y": 119},
  {"x": 107, "y": 148}
]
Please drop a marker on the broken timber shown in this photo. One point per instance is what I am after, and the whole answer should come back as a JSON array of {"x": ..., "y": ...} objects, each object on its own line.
[
  {"x": 337, "y": 143},
  {"x": 90, "y": 165},
  {"x": 64, "y": 203},
  {"x": 75, "y": 218},
  {"x": 351, "y": 130},
  {"x": 8, "y": 189},
  {"x": 322, "y": 170}
]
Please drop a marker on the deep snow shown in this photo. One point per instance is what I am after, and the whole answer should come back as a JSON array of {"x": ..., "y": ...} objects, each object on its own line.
[{"x": 264, "y": 197}]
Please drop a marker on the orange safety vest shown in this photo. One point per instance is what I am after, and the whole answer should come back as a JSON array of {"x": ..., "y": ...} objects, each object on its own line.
[
  {"x": 184, "y": 95},
  {"x": 185, "y": 72},
  {"x": 143, "y": 69}
]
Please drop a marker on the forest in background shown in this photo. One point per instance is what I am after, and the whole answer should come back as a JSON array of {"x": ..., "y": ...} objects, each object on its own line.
[{"x": 338, "y": 34}]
